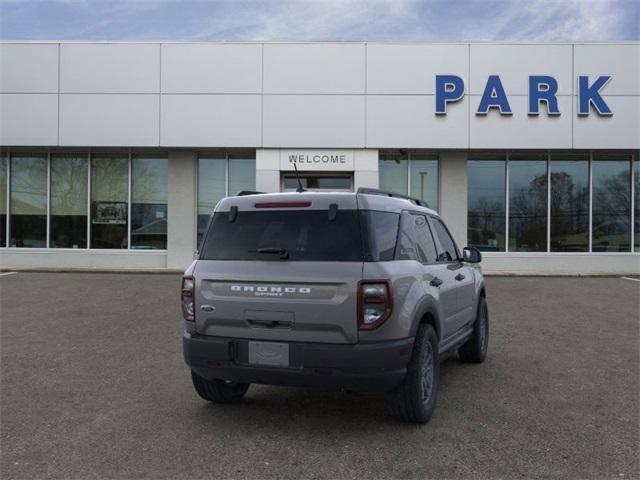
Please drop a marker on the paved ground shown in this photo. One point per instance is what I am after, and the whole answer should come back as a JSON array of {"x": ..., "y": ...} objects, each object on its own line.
[{"x": 93, "y": 386}]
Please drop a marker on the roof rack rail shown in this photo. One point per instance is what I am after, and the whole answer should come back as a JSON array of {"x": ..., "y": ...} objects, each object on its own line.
[
  {"x": 243, "y": 193},
  {"x": 375, "y": 191}
]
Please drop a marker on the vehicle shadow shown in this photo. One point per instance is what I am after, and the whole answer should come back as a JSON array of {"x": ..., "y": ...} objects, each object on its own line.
[{"x": 289, "y": 408}]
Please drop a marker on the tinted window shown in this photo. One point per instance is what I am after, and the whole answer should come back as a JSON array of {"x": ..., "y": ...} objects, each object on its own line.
[
  {"x": 611, "y": 204},
  {"x": 28, "y": 201},
  {"x": 307, "y": 235},
  {"x": 528, "y": 204},
  {"x": 449, "y": 251},
  {"x": 569, "y": 204},
  {"x": 487, "y": 204},
  {"x": 382, "y": 232},
  {"x": 109, "y": 195},
  {"x": 68, "y": 222},
  {"x": 149, "y": 198}
]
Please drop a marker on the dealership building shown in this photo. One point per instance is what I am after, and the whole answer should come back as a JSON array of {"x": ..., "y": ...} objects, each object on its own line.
[{"x": 113, "y": 155}]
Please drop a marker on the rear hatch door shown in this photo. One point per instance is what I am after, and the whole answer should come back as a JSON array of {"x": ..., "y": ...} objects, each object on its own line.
[{"x": 287, "y": 271}]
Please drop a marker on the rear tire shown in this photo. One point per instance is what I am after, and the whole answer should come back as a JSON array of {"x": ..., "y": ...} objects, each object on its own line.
[
  {"x": 415, "y": 399},
  {"x": 475, "y": 349},
  {"x": 219, "y": 391}
]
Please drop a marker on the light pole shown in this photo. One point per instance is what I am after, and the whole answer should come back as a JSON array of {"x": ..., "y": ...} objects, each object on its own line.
[{"x": 422, "y": 175}]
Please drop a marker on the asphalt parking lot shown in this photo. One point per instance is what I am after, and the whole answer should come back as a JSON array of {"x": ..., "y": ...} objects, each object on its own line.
[{"x": 93, "y": 386}]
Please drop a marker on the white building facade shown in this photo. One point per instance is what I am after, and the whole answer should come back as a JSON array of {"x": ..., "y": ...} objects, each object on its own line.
[{"x": 113, "y": 155}]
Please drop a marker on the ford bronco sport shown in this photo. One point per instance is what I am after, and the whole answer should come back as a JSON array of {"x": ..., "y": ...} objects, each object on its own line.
[{"x": 364, "y": 292}]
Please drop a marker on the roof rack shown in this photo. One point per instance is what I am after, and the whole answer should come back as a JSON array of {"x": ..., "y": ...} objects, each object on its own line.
[
  {"x": 375, "y": 191},
  {"x": 243, "y": 193}
]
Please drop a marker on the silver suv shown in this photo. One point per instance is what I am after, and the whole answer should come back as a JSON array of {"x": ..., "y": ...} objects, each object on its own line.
[{"x": 364, "y": 292}]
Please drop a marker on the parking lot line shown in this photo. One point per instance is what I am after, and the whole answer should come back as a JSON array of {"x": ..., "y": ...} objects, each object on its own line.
[
  {"x": 7, "y": 273},
  {"x": 632, "y": 279}
]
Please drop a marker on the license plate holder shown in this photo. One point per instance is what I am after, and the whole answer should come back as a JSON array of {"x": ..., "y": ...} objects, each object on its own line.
[{"x": 269, "y": 354}]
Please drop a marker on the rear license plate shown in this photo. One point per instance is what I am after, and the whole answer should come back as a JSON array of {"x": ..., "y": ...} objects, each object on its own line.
[{"x": 269, "y": 353}]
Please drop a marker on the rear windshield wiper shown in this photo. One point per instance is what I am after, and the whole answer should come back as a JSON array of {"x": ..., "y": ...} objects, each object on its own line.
[{"x": 283, "y": 252}]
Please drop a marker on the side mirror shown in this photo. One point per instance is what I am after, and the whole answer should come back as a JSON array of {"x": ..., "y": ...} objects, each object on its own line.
[{"x": 471, "y": 255}]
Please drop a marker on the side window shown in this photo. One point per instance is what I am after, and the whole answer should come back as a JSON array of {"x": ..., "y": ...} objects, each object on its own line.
[
  {"x": 415, "y": 240},
  {"x": 449, "y": 251},
  {"x": 407, "y": 239}
]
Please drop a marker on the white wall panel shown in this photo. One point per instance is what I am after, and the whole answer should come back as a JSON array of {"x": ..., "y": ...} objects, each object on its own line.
[
  {"x": 211, "y": 120},
  {"x": 514, "y": 64},
  {"x": 521, "y": 130},
  {"x": 28, "y": 119},
  {"x": 621, "y": 130},
  {"x": 110, "y": 68},
  {"x": 313, "y": 121},
  {"x": 620, "y": 61},
  {"x": 109, "y": 120},
  {"x": 28, "y": 68},
  {"x": 314, "y": 68},
  {"x": 409, "y": 121},
  {"x": 211, "y": 68},
  {"x": 411, "y": 69}
]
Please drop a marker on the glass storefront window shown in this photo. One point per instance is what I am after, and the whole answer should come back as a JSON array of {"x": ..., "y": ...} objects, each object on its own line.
[
  {"x": 68, "y": 209},
  {"x": 569, "y": 221},
  {"x": 393, "y": 172},
  {"x": 528, "y": 203},
  {"x": 611, "y": 184},
  {"x": 109, "y": 197},
  {"x": 423, "y": 172},
  {"x": 486, "y": 204},
  {"x": 221, "y": 175},
  {"x": 4, "y": 162},
  {"x": 149, "y": 197},
  {"x": 242, "y": 173},
  {"x": 28, "y": 208},
  {"x": 636, "y": 189},
  {"x": 212, "y": 187}
]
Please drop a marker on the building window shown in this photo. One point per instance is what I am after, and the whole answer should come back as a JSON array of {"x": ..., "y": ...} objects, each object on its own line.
[
  {"x": 569, "y": 210},
  {"x": 549, "y": 196},
  {"x": 487, "y": 203},
  {"x": 636, "y": 202},
  {"x": 109, "y": 200},
  {"x": 28, "y": 208},
  {"x": 68, "y": 208},
  {"x": 410, "y": 173},
  {"x": 4, "y": 165},
  {"x": 611, "y": 229},
  {"x": 220, "y": 175},
  {"x": 528, "y": 203},
  {"x": 149, "y": 196}
]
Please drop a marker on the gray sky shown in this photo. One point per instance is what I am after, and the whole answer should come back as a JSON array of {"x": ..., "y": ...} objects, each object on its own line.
[{"x": 271, "y": 20}]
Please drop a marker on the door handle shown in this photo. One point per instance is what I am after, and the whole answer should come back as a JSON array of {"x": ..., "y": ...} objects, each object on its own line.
[
  {"x": 436, "y": 282},
  {"x": 459, "y": 277}
]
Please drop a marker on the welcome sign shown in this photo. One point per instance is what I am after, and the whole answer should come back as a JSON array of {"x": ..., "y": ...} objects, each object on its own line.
[{"x": 317, "y": 160}]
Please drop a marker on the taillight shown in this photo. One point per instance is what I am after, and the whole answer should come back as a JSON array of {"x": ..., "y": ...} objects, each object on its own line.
[
  {"x": 187, "y": 298},
  {"x": 375, "y": 303}
]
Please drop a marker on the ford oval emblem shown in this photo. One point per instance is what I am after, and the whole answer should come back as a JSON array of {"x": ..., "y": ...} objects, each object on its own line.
[{"x": 208, "y": 308}]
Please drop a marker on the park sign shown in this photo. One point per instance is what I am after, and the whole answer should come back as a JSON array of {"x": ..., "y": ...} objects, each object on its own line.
[{"x": 542, "y": 89}]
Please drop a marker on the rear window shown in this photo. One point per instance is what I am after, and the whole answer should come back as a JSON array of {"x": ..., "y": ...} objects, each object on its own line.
[{"x": 305, "y": 235}]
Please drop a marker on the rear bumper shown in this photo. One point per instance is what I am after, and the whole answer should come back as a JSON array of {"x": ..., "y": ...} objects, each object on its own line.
[{"x": 364, "y": 368}]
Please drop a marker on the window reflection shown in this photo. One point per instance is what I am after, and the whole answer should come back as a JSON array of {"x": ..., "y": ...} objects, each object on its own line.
[
  {"x": 486, "y": 203},
  {"x": 611, "y": 230},
  {"x": 528, "y": 204},
  {"x": 636, "y": 189},
  {"x": 149, "y": 197},
  {"x": 3, "y": 200},
  {"x": 393, "y": 172},
  {"x": 109, "y": 197},
  {"x": 570, "y": 203},
  {"x": 28, "y": 201},
  {"x": 424, "y": 179},
  {"x": 69, "y": 201},
  {"x": 214, "y": 182}
]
